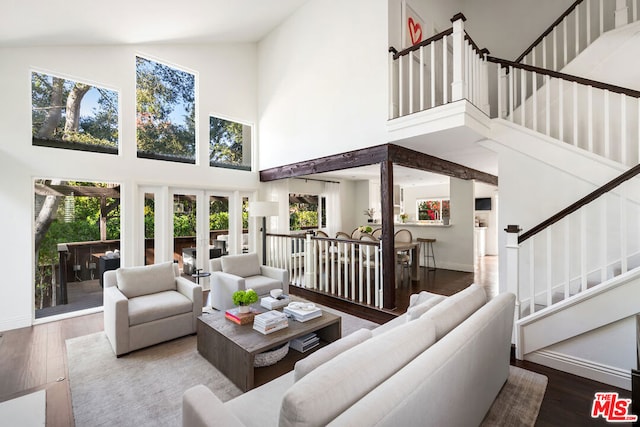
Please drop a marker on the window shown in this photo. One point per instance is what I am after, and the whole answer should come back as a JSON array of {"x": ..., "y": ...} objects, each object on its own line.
[
  {"x": 303, "y": 211},
  {"x": 73, "y": 115},
  {"x": 165, "y": 112},
  {"x": 433, "y": 210},
  {"x": 229, "y": 144}
]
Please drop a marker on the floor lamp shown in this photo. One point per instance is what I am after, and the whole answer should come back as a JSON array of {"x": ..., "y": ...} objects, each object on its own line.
[{"x": 263, "y": 209}]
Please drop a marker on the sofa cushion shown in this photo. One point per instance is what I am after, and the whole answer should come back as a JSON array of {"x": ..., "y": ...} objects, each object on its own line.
[
  {"x": 421, "y": 297},
  {"x": 147, "y": 308},
  {"x": 317, "y": 358},
  {"x": 244, "y": 265},
  {"x": 334, "y": 386},
  {"x": 418, "y": 310},
  {"x": 147, "y": 279},
  {"x": 449, "y": 313},
  {"x": 261, "y": 284}
]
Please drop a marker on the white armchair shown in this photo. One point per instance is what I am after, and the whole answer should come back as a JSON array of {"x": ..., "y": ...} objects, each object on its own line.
[
  {"x": 148, "y": 305},
  {"x": 240, "y": 272}
]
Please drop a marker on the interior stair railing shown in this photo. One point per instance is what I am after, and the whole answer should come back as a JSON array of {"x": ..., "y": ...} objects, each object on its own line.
[
  {"x": 585, "y": 113},
  {"x": 594, "y": 240},
  {"x": 583, "y": 22},
  {"x": 444, "y": 68},
  {"x": 344, "y": 268}
]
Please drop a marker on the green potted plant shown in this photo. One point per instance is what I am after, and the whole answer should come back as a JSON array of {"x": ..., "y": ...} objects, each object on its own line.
[
  {"x": 243, "y": 299},
  {"x": 404, "y": 217}
]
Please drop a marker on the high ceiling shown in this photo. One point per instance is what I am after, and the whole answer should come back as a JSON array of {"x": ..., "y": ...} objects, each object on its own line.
[{"x": 90, "y": 22}]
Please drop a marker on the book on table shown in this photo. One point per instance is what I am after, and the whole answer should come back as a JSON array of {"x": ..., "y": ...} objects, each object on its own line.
[
  {"x": 270, "y": 321},
  {"x": 273, "y": 303},
  {"x": 302, "y": 315},
  {"x": 235, "y": 316},
  {"x": 305, "y": 342}
]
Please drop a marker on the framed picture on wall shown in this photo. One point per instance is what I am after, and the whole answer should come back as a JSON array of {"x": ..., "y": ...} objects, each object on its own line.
[
  {"x": 413, "y": 27},
  {"x": 434, "y": 211}
]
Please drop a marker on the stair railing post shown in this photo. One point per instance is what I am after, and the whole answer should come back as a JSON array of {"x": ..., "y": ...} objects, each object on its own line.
[
  {"x": 621, "y": 13},
  {"x": 484, "y": 83},
  {"x": 513, "y": 265},
  {"x": 309, "y": 262},
  {"x": 393, "y": 84},
  {"x": 458, "y": 84},
  {"x": 502, "y": 92}
]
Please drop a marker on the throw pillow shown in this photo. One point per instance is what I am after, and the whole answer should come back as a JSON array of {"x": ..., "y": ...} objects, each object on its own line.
[
  {"x": 309, "y": 363},
  {"x": 418, "y": 310}
]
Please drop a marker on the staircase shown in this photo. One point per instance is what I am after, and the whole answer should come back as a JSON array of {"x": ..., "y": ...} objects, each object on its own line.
[{"x": 577, "y": 273}]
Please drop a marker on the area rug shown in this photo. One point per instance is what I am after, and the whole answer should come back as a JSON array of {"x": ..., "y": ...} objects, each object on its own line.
[
  {"x": 145, "y": 387},
  {"x": 25, "y": 411},
  {"x": 518, "y": 403}
]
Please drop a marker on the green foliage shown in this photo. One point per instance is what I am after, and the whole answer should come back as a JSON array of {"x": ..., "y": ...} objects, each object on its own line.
[
  {"x": 184, "y": 225},
  {"x": 245, "y": 297},
  {"x": 303, "y": 215},
  {"x": 225, "y": 141},
  {"x": 162, "y": 93},
  {"x": 98, "y": 128}
]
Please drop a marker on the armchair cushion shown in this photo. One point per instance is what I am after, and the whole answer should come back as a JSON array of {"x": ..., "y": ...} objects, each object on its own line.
[
  {"x": 244, "y": 265},
  {"x": 261, "y": 284},
  {"x": 149, "y": 279},
  {"x": 147, "y": 308}
]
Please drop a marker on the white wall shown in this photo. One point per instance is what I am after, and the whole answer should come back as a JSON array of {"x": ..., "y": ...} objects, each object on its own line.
[
  {"x": 226, "y": 85},
  {"x": 489, "y": 218},
  {"x": 454, "y": 244},
  {"x": 323, "y": 81}
]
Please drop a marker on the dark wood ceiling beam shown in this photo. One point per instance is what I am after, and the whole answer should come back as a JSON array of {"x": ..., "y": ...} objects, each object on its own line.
[
  {"x": 402, "y": 156},
  {"x": 348, "y": 160},
  {"x": 374, "y": 155}
]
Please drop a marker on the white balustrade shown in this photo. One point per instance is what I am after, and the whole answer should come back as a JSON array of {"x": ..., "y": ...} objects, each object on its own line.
[
  {"x": 592, "y": 245},
  {"x": 350, "y": 269}
]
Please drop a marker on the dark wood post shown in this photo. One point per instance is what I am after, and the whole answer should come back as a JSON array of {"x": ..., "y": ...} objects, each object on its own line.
[
  {"x": 62, "y": 265},
  {"x": 388, "y": 251}
]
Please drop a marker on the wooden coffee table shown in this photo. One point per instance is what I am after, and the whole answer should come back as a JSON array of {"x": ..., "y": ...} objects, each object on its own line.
[{"x": 232, "y": 348}]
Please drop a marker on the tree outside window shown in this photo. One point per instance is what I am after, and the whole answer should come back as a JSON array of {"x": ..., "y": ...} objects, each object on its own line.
[
  {"x": 165, "y": 112},
  {"x": 73, "y": 115},
  {"x": 229, "y": 144}
]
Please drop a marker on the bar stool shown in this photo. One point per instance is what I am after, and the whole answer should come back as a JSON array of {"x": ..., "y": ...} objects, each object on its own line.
[{"x": 426, "y": 246}]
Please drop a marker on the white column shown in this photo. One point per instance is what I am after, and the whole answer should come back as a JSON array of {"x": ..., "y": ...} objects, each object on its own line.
[
  {"x": 621, "y": 14},
  {"x": 458, "y": 85},
  {"x": 513, "y": 253}
]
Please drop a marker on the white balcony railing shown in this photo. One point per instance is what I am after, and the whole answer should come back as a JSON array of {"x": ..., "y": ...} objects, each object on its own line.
[{"x": 349, "y": 269}]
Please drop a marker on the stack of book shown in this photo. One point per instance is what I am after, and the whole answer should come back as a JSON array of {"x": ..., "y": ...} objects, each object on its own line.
[
  {"x": 305, "y": 342},
  {"x": 273, "y": 303},
  {"x": 302, "y": 314},
  {"x": 235, "y": 316},
  {"x": 270, "y": 321}
]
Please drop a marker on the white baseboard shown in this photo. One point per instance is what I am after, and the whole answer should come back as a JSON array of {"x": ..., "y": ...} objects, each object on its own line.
[
  {"x": 15, "y": 323},
  {"x": 583, "y": 368}
]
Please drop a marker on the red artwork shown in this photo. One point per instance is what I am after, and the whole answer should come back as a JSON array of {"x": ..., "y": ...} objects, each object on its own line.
[{"x": 415, "y": 31}]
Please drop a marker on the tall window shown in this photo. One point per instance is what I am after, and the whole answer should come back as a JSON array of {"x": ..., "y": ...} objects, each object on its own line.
[
  {"x": 73, "y": 115},
  {"x": 229, "y": 144},
  {"x": 165, "y": 112}
]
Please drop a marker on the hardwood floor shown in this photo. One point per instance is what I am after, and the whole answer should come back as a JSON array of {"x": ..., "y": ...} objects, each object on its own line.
[{"x": 34, "y": 358}]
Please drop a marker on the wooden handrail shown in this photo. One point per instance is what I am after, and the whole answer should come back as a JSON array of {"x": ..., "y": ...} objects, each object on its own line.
[
  {"x": 588, "y": 82},
  {"x": 549, "y": 30},
  {"x": 580, "y": 203},
  {"x": 475, "y": 47},
  {"x": 424, "y": 42}
]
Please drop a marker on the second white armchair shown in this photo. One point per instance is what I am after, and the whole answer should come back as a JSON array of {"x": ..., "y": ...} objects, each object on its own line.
[{"x": 240, "y": 272}]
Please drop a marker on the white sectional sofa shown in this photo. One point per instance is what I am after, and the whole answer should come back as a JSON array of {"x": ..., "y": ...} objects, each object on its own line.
[{"x": 440, "y": 364}]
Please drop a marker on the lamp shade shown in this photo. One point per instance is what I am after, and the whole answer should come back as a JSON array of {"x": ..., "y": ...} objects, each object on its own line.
[{"x": 263, "y": 209}]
